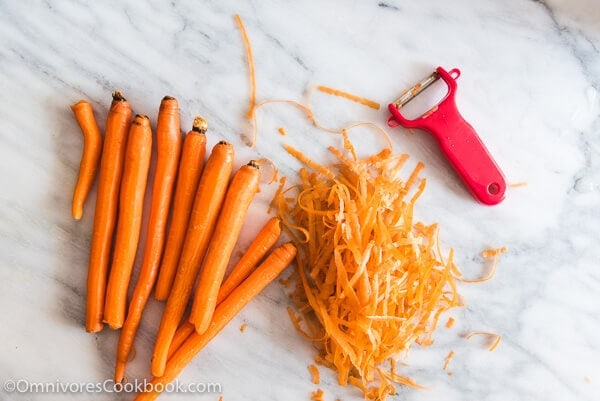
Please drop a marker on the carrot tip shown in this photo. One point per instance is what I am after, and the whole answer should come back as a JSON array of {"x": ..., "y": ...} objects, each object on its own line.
[
  {"x": 200, "y": 125},
  {"x": 118, "y": 97},
  {"x": 119, "y": 372},
  {"x": 168, "y": 98}
]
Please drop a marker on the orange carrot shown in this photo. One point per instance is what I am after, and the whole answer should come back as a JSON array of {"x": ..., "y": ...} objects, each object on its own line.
[
  {"x": 264, "y": 274},
  {"x": 250, "y": 58},
  {"x": 190, "y": 169},
  {"x": 264, "y": 240},
  {"x": 168, "y": 138},
  {"x": 209, "y": 197},
  {"x": 131, "y": 205},
  {"x": 183, "y": 332},
  {"x": 92, "y": 147},
  {"x": 111, "y": 168},
  {"x": 240, "y": 193}
]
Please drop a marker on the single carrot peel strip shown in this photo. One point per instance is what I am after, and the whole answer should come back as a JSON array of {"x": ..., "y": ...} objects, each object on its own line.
[
  {"x": 314, "y": 371},
  {"x": 448, "y": 359},
  {"x": 336, "y": 92},
  {"x": 250, "y": 57}
]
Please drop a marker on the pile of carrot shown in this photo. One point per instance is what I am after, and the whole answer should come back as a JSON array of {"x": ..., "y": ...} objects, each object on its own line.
[{"x": 206, "y": 208}]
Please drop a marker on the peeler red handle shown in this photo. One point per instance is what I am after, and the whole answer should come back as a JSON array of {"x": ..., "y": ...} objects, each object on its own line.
[{"x": 459, "y": 142}]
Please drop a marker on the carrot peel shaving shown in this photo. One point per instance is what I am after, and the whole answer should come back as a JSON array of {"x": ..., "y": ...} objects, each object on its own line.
[
  {"x": 494, "y": 336},
  {"x": 370, "y": 279}
]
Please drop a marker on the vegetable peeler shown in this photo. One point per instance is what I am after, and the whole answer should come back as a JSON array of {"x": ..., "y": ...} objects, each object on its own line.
[{"x": 456, "y": 137}]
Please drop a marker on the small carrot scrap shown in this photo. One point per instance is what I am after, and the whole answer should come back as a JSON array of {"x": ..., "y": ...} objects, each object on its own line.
[
  {"x": 281, "y": 131},
  {"x": 240, "y": 193},
  {"x": 264, "y": 274},
  {"x": 518, "y": 184},
  {"x": 220, "y": 398},
  {"x": 314, "y": 371},
  {"x": 243, "y": 327},
  {"x": 92, "y": 148},
  {"x": 335, "y": 92},
  {"x": 109, "y": 180},
  {"x": 264, "y": 240},
  {"x": 317, "y": 395},
  {"x": 496, "y": 338},
  {"x": 488, "y": 253},
  {"x": 450, "y": 322},
  {"x": 188, "y": 176},
  {"x": 448, "y": 359},
  {"x": 207, "y": 204},
  {"x": 250, "y": 57},
  {"x": 131, "y": 205},
  {"x": 168, "y": 138},
  {"x": 371, "y": 280}
]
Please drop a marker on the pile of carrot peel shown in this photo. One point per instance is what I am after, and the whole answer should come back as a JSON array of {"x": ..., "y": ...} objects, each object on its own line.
[{"x": 371, "y": 280}]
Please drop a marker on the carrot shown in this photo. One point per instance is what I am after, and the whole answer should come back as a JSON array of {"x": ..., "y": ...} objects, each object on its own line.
[
  {"x": 207, "y": 203},
  {"x": 264, "y": 274},
  {"x": 131, "y": 205},
  {"x": 183, "y": 332},
  {"x": 190, "y": 169},
  {"x": 111, "y": 168},
  {"x": 168, "y": 138},
  {"x": 240, "y": 193},
  {"x": 264, "y": 240},
  {"x": 267, "y": 236},
  {"x": 92, "y": 147},
  {"x": 250, "y": 58}
]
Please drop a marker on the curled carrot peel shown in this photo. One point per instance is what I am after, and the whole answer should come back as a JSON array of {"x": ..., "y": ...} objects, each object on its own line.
[
  {"x": 336, "y": 92},
  {"x": 264, "y": 274},
  {"x": 190, "y": 169},
  {"x": 241, "y": 191},
  {"x": 168, "y": 138},
  {"x": 109, "y": 179},
  {"x": 372, "y": 281},
  {"x": 265, "y": 239},
  {"x": 488, "y": 253},
  {"x": 92, "y": 147},
  {"x": 494, "y": 336},
  {"x": 131, "y": 205},
  {"x": 207, "y": 204}
]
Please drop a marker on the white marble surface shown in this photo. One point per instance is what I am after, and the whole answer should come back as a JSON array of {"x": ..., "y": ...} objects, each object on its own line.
[{"x": 529, "y": 85}]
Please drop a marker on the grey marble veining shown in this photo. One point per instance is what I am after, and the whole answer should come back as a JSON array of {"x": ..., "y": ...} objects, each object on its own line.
[{"x": 530, "y": 86}]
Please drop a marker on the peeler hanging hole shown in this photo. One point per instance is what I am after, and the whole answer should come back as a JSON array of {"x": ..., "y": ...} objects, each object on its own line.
[
  {"x": 454, "y": 73},
  {"x": 493, "y": 188}
]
